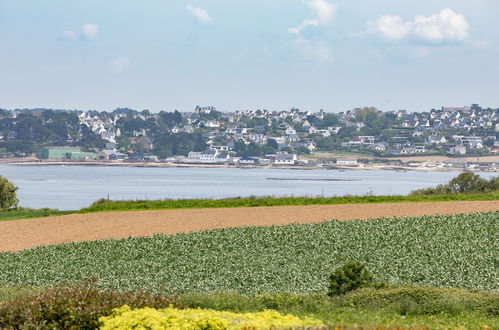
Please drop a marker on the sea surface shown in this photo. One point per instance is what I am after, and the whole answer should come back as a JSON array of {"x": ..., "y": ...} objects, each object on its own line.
[{"x": 75, "y": 187}]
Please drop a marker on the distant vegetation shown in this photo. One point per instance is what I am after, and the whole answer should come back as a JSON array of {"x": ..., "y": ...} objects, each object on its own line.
[
  {"x": 27, "y": 213},
  {"x": 105, "y": 205},
  {"x": 464, "y": 183},
  {"x": 446, "y": 251}
]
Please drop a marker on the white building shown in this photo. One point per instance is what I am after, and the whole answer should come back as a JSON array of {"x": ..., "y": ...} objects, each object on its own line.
[
  {"x": 347, "y": 162},
  {"x": 283, "y": 158}
]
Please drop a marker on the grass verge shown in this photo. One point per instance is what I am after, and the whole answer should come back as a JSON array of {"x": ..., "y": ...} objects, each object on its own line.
[
  {"x": 26, "y": 213},
  {"x": 138, "y": 205}
]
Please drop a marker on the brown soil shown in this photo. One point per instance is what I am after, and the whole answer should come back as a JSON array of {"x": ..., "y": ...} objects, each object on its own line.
[{"x": 24, "y": 234}]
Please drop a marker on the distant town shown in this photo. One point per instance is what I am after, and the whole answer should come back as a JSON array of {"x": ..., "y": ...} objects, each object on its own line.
[{"x": 355, "y": 138}]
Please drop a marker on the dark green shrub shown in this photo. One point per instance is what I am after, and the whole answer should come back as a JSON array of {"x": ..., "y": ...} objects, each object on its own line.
[
  {"x": 423, "y": 300},
  {"x": 350, "y": 276},
  {"x": 8, "y": 198},
  {"x": 464, "y": 183},
  {"x": 76, "y": 307}
]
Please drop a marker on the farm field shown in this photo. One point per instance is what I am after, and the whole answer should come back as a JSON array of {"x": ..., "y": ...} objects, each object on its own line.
[
  {"x": 23, "y": 234},
  {"x": 442, "y": 251},
  {"x": 421, "y": 260}
]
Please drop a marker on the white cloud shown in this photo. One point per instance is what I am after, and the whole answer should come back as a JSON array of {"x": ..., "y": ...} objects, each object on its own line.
[
  {"x": 69, "y": 34},
  {"x": 90, "y": 31},
  {"x": 200, "y": 14},
  {"x": 314, "y": 49},
  {"x": 447, "y": 25},
  {"x": 306, "y": 23},
  {"x": 444, "y": 26},
  {"x": 392, "y": 28},
  {"x": 324, "y": 10},
  {"x": 119, "y": 65}
]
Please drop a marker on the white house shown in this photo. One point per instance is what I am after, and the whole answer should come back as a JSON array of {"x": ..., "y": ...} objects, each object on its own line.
[
  {"x": 283, "y": 158},
  {"x": 347, "y": 162},
  {"x": 436, "y": 139},
  {"x": 459, "y": 149}
]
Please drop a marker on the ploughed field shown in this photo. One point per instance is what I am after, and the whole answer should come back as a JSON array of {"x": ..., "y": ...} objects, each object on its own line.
[
  {"x": 24, "y": 234},
  {"x": 439, "y": 250}
]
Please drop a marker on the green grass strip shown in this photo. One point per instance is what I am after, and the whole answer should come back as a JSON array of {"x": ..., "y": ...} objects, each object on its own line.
[
  {"x": 23, "y": 213},
  {"x": 138, "y": 205}
]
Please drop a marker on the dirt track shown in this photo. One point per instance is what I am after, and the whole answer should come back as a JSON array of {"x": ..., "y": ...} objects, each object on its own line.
[{"x": 24, "y": 234}]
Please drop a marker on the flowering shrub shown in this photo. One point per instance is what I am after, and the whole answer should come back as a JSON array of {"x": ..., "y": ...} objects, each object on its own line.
[{"x": 172, "y": 318}]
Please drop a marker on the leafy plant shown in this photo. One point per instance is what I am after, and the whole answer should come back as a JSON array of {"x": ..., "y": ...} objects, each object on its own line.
[{"x": 349, "y": 277}]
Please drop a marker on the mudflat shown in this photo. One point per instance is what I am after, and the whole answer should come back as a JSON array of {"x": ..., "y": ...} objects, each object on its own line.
[{"x": 24, "y": 234}]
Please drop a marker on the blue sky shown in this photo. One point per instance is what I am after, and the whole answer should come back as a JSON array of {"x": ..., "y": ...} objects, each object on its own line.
[{"x": 275, "y": 54}]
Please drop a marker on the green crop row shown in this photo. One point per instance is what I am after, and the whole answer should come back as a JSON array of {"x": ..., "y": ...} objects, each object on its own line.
[{"x": 442, "y": 251}]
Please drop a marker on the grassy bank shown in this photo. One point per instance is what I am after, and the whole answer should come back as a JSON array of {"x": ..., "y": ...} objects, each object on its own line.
[
  {"x": 367, "y": 308},
  {"x": 139, "y": 205},
  {"x": 25, "y": 213},
  {"x": 442, "y": 251},
  {"x": 106, "y": 205}
]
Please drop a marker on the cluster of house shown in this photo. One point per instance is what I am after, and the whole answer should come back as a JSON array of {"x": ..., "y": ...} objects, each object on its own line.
[
  {"x": 436, "y": 127},
  {"x": 212, "y": 156},
  {"x": 222, "y": 156}
]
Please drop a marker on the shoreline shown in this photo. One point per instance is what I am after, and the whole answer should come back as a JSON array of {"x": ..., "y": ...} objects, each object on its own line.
[{"x": 397, "y": 168}]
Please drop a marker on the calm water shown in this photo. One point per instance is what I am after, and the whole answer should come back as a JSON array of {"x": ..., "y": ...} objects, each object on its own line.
[{"x": 74, "y": 187}]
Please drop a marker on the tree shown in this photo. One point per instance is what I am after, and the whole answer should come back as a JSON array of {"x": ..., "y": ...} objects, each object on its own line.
[
  {"x": 273, "y": 144},
  {"x": 8, "y": 198},
  {"x": 467, "y": 183}
]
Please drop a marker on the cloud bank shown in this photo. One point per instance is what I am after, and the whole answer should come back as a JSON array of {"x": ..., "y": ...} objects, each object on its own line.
[
  {"x": 444, "y": 26},
  {"x": 88, "y": 31}
]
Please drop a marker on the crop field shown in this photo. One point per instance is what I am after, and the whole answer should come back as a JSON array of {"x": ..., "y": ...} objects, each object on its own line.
[{"x": 442, "y": 251}]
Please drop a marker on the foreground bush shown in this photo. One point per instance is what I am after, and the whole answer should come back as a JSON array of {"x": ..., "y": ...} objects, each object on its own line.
[
  {"x": 423, "y": 301},
  {"x": 77, "y": 307},
  {"x": 407, "y": 307},
  {"x": 349, "y": 277},
  {"x": 171, "y": 318}
]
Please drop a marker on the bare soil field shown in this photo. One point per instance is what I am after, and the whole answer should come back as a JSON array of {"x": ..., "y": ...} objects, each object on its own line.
[{"x": 24, "y": 234}]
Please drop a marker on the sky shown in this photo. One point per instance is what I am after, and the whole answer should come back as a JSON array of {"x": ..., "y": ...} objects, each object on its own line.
[{"x": 248, "y": 54}]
